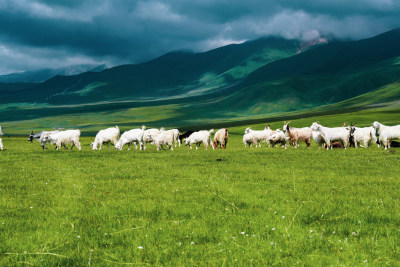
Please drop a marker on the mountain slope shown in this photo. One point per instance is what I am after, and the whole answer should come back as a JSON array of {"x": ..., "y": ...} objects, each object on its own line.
[
  {"x": 45, "y": 74},
  {"x": 170, "y": 75},
  {"x": 253, "y": 80}
]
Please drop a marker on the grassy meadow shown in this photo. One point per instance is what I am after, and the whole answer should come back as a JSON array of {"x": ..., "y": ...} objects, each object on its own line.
[{"x": 257, "y": 206}]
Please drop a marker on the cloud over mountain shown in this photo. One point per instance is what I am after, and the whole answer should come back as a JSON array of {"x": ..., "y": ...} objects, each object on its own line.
[{"x": 45, "y": 33}]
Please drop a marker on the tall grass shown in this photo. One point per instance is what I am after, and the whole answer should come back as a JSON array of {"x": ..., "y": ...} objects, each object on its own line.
[{"x": 238, "y": 206}]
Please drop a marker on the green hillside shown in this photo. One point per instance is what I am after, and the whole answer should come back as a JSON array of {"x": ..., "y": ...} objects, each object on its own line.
[
  {"x": 171, "y": 75},
  {"x": 258, "y": 80}
]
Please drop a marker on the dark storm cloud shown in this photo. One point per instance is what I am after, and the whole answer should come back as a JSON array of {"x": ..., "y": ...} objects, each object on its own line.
[{"x": 36, "y": 33}]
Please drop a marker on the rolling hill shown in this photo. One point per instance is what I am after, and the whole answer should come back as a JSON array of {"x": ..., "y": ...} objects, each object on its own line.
[
  {"x": 37, "y": 76},
  {"x": 255, "y": 80}
]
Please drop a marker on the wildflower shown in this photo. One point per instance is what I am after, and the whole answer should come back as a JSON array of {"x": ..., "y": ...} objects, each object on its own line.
[
  {"x": 179, "y": 243},
  {"x": 310, "y": 231},
  {"x": 192, "y": 243},
  {"x": 283, "y": 217},
  {"x": 78, "y": 236},
  {"x": 242, "y": 233},
  {"x": 140, "y": 247},
  {"x": 273, "y": 229}
]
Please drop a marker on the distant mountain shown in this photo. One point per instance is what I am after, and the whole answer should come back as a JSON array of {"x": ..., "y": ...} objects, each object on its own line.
[
  {"x": 170, "y": 75},
  {"x": 258, "y": 78},
  {"x": 45, "y": 74}
]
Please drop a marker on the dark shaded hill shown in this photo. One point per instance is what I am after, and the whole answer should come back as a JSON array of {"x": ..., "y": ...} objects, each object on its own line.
[
  {"x": 41, "y": 75},
  {"x": 253, "y": 80},
  {"x": 169, "y": 75}
]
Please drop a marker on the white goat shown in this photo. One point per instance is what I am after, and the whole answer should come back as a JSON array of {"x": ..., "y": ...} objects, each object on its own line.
[
  {"x": 1, "y": 141},
  {"x": 221, "y": 138},
  {"x": 248, "y": 139},
  {"x": 332, "y": 134},
  {"x": 198, "y": 138},
  {"x": 176, "y": 133},
  {"x": 149, "y": 135},
  {"x": 131, "y": 136},
  {"x": 278, "y": 137},
  {"x": 165, "y": 138},
  {"x": 106, "y": 136},
  {"x": 42, "y": 137},
  {"x": 252, "y": 137},
  {"x": 365, "y": 135},
  {"x": 317, "y": 137},
  {"x": 61, "y": 138},
  {"x": 386, "y": 133}
]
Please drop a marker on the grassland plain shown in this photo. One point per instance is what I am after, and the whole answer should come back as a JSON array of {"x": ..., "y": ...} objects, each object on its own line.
[{"x": 257, "y": 206}]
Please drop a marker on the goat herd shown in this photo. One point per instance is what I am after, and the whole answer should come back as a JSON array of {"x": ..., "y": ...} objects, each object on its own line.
[{"x": 323, "y": 136}]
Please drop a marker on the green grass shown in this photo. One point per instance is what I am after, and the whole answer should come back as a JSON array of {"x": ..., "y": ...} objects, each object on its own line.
[{"x": 256, "y": 206}]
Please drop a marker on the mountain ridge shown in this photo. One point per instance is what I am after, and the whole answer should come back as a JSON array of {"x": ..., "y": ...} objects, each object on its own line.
[{"x": 260, "y": 78}]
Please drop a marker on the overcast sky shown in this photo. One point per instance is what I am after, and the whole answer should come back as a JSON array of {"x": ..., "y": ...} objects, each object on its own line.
[{"x": 52, "y": 33}]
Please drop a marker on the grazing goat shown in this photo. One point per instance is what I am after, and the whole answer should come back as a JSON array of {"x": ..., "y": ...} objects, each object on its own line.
[
  {"x": 365, "y": 135},
  {"x": 165, "y": 138},
  {"x": 185, "y": 135},
  {"x": 278, "y": 137},
  {"x": 297, "y": 135},
  {"x": 317, "y": 137},
  {"x": 332, "y": 134},
  {"x": 198, "y": 138},
  {"x": 386, "y": 133},
  {"x": 252, "y": 137},
  {"x": 149, "y": 135},
  {"x": 41, "y": 138},
  {"x": 248, "y": 139},
  {"x": 176, "y": 137},
  {"x": 106, "y": 136},
  {"x": 394, "y": 144},
  {"x": 221, "y": 138},
  {"x": 1, "y": 141},
  {"x": 175, "y": 133},
  {"x": 62, "y": 138},
  {"x": 131, "y": 136}
]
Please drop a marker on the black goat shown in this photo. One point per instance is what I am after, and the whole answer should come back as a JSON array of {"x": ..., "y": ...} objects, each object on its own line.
[{"x": 391, "y": 143}]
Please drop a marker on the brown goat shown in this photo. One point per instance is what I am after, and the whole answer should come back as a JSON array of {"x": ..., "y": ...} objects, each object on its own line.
[
  {"x": 221, "y": 138},
  {"x": 297, "y": 135}
]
